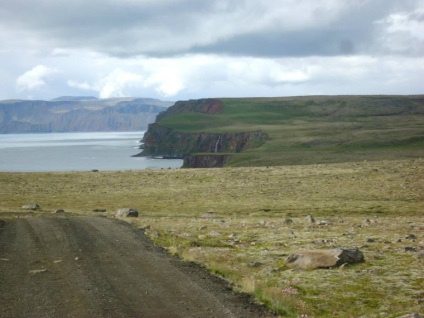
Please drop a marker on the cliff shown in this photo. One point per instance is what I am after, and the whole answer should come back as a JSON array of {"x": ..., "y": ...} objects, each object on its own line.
[
  {"x": 198, "y": 149},
  {"x": 82, "y": 114},
  {"x": 289, "y": 130}
]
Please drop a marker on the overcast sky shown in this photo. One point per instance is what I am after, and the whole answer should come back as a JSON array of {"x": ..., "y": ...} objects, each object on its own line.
[{"x": 183, "y": 49}]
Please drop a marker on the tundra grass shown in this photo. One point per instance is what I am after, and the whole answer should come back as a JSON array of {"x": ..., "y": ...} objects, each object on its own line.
[{"x": 242, "y": 223}]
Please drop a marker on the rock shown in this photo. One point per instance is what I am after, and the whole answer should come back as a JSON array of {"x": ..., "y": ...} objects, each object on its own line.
[
  {"x": 415, "y": 315},
  {"x": 324, "y": 258},
  {"x": 59, "y": 211},
  {"x": 32, "y": 206},
  {"x": 209, "y": 214},
  {"x": 126, "y": 213},
  {"x": 411, "y": 237},
  {"x": 37, "y": 271},
  {"x": 203, "y": 227},
  {"x": 255, "y": 264},
  {"x": 2, "y": 223},
  {"x": 288, "y": 222},
  {"x": 324, "y": 223},
  {"x": 310, "y": 219},
  {"x": 99, "y": 210},
  {"x": 410, "y": 249}
]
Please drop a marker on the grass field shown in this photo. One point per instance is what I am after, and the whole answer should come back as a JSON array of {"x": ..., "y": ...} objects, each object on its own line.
[
  {"x": 316, "y": 129},
  {"x": 233, "y": 221}
]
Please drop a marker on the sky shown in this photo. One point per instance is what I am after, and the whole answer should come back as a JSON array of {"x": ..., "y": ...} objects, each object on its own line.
[{"x": 187, "y": 49}]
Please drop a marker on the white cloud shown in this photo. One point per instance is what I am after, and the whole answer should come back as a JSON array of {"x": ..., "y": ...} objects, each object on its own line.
[
  {"x": 118, "y": 82},
  {"x": 81, "y": 85},
  {"x": 34, "y": 78},
  {"x": 403, "y": 32}
]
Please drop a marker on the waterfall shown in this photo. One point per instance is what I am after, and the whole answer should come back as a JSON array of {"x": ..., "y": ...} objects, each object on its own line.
[{"x": 217, "y": 143}]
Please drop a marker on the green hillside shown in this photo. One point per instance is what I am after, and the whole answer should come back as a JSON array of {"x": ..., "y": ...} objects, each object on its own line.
[{"x": 316, "y": 129}]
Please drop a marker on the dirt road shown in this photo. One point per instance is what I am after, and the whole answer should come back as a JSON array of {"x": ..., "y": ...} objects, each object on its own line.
[{"x": 100, "y": 267}]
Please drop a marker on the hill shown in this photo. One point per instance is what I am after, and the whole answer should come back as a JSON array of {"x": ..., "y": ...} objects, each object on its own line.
[
  {"x": 288, "y": 130},
  {"x": 69, "y": 114}
]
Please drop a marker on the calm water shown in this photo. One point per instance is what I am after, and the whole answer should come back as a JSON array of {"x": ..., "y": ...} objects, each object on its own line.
[{"x": 76, "y": 152}]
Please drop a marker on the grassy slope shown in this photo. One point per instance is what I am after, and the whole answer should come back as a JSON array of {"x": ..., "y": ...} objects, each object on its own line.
[
  {"x": 381, "y": 201},
  {"x": 318, "y": 129}
]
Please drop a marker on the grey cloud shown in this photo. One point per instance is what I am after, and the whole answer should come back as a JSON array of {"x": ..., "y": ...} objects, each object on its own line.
[{"x": 164, "y": 28}]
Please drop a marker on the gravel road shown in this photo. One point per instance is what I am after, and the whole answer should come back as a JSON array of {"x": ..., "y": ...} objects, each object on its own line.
[{"x": 101, "y": 267}]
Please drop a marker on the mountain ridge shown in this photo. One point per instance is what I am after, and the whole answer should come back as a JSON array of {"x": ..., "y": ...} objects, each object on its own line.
[{"x": 79, "y": 114}]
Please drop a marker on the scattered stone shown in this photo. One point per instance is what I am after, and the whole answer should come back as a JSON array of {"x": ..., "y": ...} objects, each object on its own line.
[
  {"x": 411, "y": 237},
  {"x": 126, "y": 213},
  {"x": 415, "y": 315},
  {"x": 214, "y": 234},
  {"x": 99, "y": 210},
  {"x": 263, "y": 223},
  {"x": 32, "y": 206},
  {"x": 37, "y": 271},
  {"x": 4, "y": 259},
  {"x": 59, "y": 211},
  {"x": 288, "y": 222},
  {"x": 232, "y": 236},
  {"x": 420, "y": 255},
  {"x": 57, "y": 261},
  {"x": 371, "y": 240},
  {"x": 324, "y": 258},
  {"x": 255, "y": 264},
  {"x": 324, "y": 223},
  {"x": 410, "y": 249},
  {"x": 77, "y": 258},
  {"x": 310, "y": 219},
  {"x": 184, "y": 235},
  {"x": 209, "y": 214},
  {"x": 203, "y": 227}
]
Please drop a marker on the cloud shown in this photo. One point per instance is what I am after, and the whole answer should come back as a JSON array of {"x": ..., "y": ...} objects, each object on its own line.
[
  {"x": 184, "y": 49},
  {"x": 167, "y": 28},
  {"x": 403, "y": 32},
  {"x": 34, "y": 78}
]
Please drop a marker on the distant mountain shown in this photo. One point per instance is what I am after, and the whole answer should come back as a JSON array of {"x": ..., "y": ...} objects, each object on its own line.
[
  {"x": 73, "y": 98},
  {"x": 79, "y": 114}
]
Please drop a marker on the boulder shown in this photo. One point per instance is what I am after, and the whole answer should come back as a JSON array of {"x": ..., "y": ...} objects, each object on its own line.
[
  {"x": 59, "y": 211},
  {"x": 99, "y": 210},
  {"x": 32, "y": 206},
  {"x": 126, "y": 213},
  {"x": 324, "y": 258},
  {"x": 310, "y": 219}
]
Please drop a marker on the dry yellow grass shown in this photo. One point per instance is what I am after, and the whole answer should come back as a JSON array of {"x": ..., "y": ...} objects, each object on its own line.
[{"x": 233, "y": 221}]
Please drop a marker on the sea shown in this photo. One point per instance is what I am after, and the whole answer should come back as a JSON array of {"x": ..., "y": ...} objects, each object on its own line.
[{"x": 107, "y": 151}]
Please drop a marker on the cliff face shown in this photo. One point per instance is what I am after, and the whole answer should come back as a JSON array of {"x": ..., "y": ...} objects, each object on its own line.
[
  {"x": 199, "y": 150},
  {"x": 73, "y": 114},
  {"x": 165, "y": 142}
]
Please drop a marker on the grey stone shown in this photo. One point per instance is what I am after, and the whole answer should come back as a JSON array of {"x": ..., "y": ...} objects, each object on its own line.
[
  {"x": 59, "y": 211},
  {"x": 32, "y": 206},
  {"x": 324, "y": 258},
  {"x": 288, "y": 222},
  {"x": 126, "y": 213},
  {"x": 310, "y": 219},
  {"x": 415, "y": 315}
]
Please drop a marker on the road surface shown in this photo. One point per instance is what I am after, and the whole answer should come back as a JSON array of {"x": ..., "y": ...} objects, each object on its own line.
[{"x": 100, "y": 267}]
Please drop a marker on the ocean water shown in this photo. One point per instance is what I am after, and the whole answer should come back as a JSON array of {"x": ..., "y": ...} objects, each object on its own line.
[{"x": 76, "y": 152}]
